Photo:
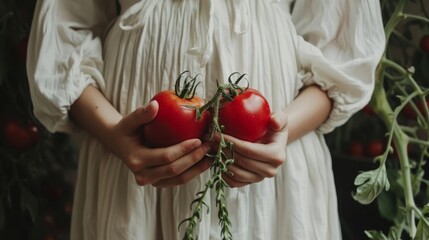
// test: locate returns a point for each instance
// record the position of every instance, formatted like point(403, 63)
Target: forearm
point(307, 112)
point(94, 113)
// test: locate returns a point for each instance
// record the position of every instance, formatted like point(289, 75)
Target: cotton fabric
point(281, 45)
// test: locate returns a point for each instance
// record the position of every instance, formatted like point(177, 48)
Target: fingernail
point(196, 144)
point(147, 107)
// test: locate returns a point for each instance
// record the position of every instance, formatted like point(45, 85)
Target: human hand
point(161, 167)
point(254, 162)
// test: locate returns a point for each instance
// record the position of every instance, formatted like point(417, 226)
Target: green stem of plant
point(381, 106)
point(189, 233)
point(415, 17)
point(396, 17)
point(218, 168)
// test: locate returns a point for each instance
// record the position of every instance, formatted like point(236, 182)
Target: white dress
point(280, 44)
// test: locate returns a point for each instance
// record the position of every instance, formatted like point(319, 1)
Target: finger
point(186, 176)
point(278, 121)
point(268, 153)
point(243, 175)
point(162, 156)
point(174, 168)
point(258, 168)
point(233, 183)
point(139, 117)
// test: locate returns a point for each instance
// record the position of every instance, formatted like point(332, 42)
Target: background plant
point(400, 120)
point(36, 188)
point(36, 166)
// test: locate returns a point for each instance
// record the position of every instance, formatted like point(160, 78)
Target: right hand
point(160, 167)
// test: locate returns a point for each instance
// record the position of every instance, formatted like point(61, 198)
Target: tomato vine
point(399, 88)
point(223, 157)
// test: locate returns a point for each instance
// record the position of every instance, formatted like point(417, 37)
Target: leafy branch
point(395, 83)
point(222, 160)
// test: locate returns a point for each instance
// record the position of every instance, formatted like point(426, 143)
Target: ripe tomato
point(368, 110)
point(245, 117)
point(421, 105)
point(175, 121)
point(20, 136)
point(424, 44)
point(410, 113)
point(375, 148)
point(356, 149)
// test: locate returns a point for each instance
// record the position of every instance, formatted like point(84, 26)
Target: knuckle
point(279, 160)
point(134, 164)
point(173, 170)
point(141, 181)
point(270, 172)
point(197, 154)
point(238, 161)
point(169, 157)
point(258, 179)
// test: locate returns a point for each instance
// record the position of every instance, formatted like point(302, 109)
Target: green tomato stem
point(383, 109)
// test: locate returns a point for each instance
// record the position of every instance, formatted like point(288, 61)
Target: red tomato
point(375, 148)
point(356, 149)
point(421, 105)
point(409, 112)
point(20, 136)
point(175, 121)
point(368, 110)
point(246, 117)
point(424, 44)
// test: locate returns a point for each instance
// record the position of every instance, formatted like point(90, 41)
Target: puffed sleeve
point(340, 43)
point(65, 56)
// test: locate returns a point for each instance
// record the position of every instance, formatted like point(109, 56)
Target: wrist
point(94, 113)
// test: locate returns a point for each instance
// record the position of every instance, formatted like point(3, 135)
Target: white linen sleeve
point(340, 43)
point(64, 56)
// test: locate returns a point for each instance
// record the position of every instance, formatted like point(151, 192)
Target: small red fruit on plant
point(20, 136)
point(409, 112)
point(176, 120)
point(375, 148)
point(246, 117)
point(368, 110)
point(424, 44)
point(356, 149)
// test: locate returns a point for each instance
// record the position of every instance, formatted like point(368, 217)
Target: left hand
point(254, 162)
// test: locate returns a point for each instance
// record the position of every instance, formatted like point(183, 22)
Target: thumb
point(139, 117)
point(278, 121)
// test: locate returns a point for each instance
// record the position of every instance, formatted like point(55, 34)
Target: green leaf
point(423, 225)
point(371, 184)
point(386, 203)
point(28, 202)
point(394, 233)
point(417, 180)
point(372, 234)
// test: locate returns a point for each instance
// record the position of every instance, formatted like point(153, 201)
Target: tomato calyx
point(225, 92)
point(176, 119)
point(188, 88)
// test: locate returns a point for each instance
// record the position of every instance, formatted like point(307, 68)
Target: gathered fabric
point(281, 45)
